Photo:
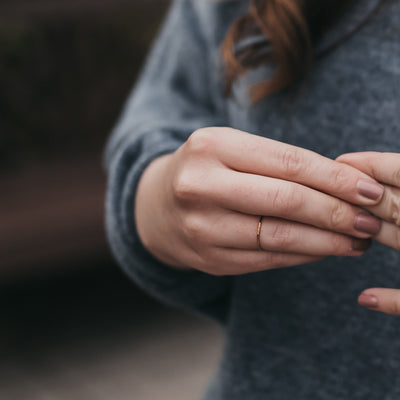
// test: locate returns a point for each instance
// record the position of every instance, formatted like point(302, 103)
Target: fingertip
point(367, 300)
point(370, 190)
point(343, 157)
point(357, 155)
point(388, 300)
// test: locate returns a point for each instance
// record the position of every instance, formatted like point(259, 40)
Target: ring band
point(259, 233)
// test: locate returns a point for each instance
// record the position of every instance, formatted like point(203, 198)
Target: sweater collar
point(358, 12)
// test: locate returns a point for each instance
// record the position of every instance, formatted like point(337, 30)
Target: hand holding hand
point(200, 206)
point(385, 168)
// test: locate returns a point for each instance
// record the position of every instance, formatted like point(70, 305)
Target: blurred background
point(72, 325)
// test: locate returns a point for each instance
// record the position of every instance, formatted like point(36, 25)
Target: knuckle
point(183, 186)
point(292, 162)
point(286, 200)
point(200, 142)
point(337, 215)
point(192, 228)
point(282, 235)
point(339, 177)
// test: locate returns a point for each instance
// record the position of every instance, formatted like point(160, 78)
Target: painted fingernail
point(369, 189)
point(361, 244)
point(367, 223)
point(366, 300)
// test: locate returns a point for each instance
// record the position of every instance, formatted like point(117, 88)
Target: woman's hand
point(380, 299)
point(384, 167)
point(199, 207)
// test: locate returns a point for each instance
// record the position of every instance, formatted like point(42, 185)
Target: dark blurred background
point(72, 326)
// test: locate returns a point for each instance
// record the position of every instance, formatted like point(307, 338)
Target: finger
point(383, 300)
point(258, 195)
point(257, 155)
point(384, 167)
point(389, 235)
point(239, 231)
point(389, 207)
point(238, 262)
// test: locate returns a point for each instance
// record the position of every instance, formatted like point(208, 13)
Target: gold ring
point(259, 233)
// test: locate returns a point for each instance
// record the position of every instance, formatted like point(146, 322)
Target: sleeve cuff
point(187, 289)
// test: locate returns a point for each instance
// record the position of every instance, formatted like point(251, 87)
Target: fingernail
point(367, 223)
point(361, 244)
point(366, 300)
point(369, 189)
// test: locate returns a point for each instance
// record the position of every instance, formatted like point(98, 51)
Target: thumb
point(383, 300)
point(363, 161)
point(383, 167)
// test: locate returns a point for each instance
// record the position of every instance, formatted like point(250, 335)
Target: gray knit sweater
point(294, 333)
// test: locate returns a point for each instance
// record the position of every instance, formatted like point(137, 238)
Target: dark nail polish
point(369, 189)
point(367, 223)
point(361, 244)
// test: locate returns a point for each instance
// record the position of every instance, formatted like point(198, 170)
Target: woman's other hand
point(380, 299)
point(384, 167)
point(199, 207)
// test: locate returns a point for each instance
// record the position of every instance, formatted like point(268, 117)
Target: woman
point(221, 171)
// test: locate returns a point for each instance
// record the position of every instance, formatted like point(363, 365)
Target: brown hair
point(292, 28)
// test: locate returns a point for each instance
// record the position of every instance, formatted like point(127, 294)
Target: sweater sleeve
point(172, 99)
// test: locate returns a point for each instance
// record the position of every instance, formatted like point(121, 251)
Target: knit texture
point(294, 333)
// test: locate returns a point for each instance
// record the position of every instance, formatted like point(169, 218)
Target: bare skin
point(199, 207)
point(385, 168)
